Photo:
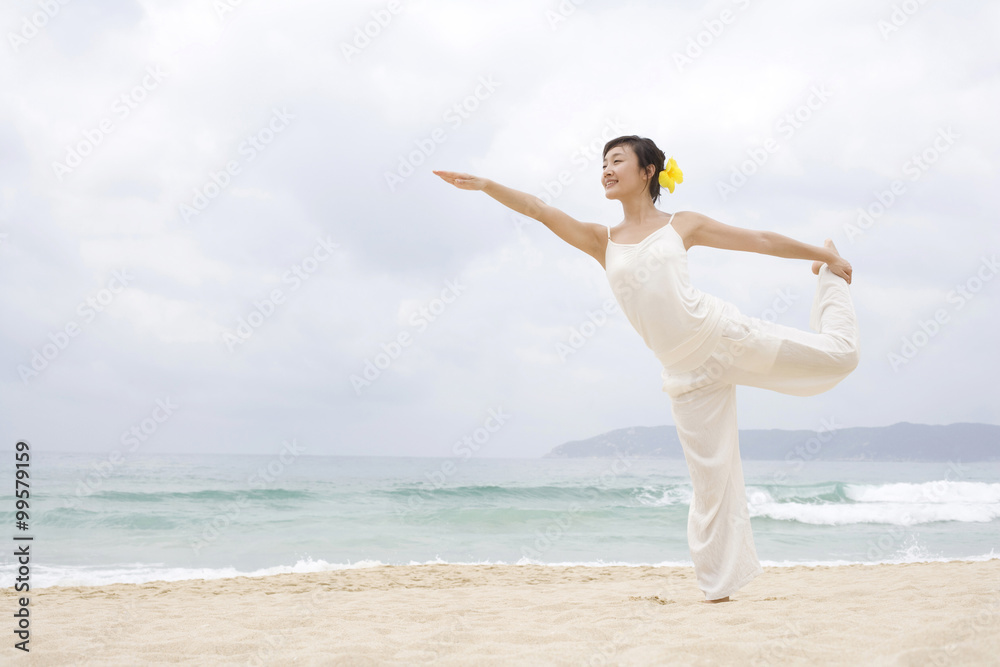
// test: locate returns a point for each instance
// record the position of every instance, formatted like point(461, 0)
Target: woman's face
point(621, 177)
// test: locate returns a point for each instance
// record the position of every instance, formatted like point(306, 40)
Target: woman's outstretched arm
point(583, 235)
point(714, 234)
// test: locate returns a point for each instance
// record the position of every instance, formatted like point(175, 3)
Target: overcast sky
point(213, 221)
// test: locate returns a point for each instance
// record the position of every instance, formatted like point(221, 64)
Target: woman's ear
point(650, 172)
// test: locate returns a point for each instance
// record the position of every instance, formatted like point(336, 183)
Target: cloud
point(792, 118)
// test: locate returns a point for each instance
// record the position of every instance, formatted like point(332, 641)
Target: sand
point(910, 614)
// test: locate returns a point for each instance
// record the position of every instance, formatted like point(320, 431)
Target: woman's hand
point(462, 180)
point(842, 268)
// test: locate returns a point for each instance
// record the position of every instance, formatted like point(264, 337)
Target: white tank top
point(650, 281)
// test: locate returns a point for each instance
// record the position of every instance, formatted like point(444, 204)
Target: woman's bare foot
point(817, 264)
point(725, 599)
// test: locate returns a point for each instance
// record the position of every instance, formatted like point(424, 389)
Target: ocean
point(97, 519)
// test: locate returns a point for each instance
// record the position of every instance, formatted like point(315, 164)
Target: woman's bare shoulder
point(686, 219)
point(685, 223)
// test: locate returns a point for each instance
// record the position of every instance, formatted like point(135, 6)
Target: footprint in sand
point(653, 598)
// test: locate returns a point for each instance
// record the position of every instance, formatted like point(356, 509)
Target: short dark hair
point(648, 154)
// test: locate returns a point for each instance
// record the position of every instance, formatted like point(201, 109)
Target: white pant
point(755, 353)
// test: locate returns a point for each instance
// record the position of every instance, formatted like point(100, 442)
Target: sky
point(219, 229)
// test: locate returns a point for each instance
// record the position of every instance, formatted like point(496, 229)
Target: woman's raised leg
point(790, 360)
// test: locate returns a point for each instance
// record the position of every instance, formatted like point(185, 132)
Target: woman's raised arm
point(714, 234)
point(587, 236)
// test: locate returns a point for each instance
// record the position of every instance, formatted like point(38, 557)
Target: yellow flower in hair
point(670, 175)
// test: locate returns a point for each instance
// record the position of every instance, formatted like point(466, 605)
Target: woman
point(705, 344)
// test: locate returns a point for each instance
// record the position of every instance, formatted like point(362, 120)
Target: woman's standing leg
point(758, 353)
point(719, 534)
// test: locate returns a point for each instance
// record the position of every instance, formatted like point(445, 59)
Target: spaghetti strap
point(609, 231)
point(672, 217)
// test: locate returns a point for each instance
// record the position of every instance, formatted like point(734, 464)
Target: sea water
point(170, 517)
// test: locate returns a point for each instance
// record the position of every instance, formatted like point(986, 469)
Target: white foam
point(139, 573)
point(940, 491)
point(901, 514)
point(656, 497)
point(44, 577)
point(903, 504)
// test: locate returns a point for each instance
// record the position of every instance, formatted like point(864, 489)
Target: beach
point(928, 613)
point(365, 561)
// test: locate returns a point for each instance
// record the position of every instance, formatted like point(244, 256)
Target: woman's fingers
point(460, 179)
point(841, 267)
point(450, 176)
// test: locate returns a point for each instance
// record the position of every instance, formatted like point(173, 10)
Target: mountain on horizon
point(903, 441)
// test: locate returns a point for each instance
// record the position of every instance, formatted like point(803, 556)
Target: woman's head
point(634, 163)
